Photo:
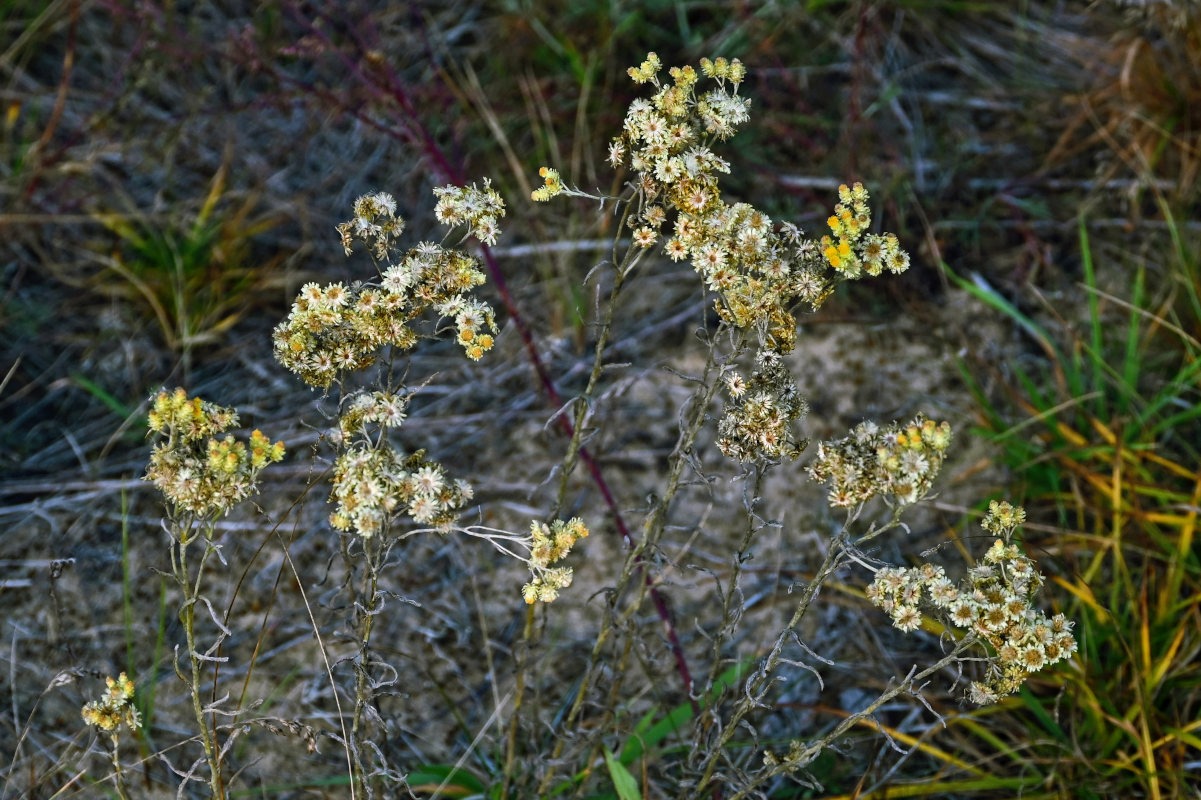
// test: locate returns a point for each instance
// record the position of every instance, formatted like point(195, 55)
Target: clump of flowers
point(994, 601)
point(114, 707)
point(197, 472)
point(361, 409)
point(479, 209)
point(856, 251)
point(758, 419)
point(549, 544)
point(757, 271)
point(375, 224)
point(334, 329)
point(372, 485)
point(552, 185)
point(897, 462)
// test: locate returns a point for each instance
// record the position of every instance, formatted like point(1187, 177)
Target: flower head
point(114, 707)
point(994, 601)
point(195, 470)
point(548, 544)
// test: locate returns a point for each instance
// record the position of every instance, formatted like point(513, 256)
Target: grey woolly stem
point(758, 681)
point(727, 623)
point(570, 459)
point(362, 695)
point(527, 640)
point(805, 756)
point(187, 616)
point(598, 364)
point(118, 775)
point(652, 530)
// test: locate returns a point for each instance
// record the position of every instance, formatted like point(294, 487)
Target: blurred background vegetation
point(171, 172)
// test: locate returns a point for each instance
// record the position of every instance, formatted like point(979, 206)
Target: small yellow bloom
point(832, 256)
point(737, 72)
point(552, 185)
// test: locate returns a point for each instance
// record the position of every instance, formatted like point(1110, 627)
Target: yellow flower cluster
point(994, 601)
point(114, 707)
point(856, 250)
point(549, 544)
point(647, 70)
point(175, 415)
point(372, 485)
point(332, 329)
point(897, 461)
point(194, 470)
point(721, 69)
point(552, 185)
point(1002, 518)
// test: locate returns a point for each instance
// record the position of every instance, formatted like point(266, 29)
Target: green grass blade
point(979, 288)
point(1035, 707)
point(623, 781)
point(652, 735)
point(1096, 325)
point(447, 780)
point(111, 403)
point(1131, 361)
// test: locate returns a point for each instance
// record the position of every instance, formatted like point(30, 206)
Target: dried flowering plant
point(335, 331)
point(113, 708)
point(759, 272)
point(354, 341)
point(897, 462)
point(202, 477)
point(548, 544)
point(108, 714)
point(993, 602)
